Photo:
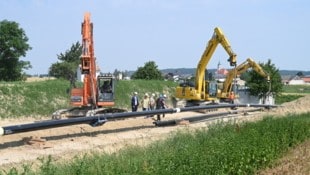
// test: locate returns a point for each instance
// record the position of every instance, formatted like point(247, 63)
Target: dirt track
point(66, 142)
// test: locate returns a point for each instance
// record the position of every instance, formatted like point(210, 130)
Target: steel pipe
point(101, 119)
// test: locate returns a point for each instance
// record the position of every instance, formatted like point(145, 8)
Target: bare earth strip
point(66, 142)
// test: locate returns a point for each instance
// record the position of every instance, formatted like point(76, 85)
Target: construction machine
point(97, 94)
point(227, 86)
point(203, 90)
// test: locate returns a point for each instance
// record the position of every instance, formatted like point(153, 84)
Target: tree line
point(14, 45)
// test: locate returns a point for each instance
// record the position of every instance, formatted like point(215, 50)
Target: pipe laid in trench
point(101, 119)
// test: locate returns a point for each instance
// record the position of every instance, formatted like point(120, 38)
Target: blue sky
point(173, 33)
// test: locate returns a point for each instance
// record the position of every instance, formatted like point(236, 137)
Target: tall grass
point(225, 148)
point(32, 98)
point(42, 98)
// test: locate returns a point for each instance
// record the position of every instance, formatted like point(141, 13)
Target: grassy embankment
point(42, 98)
point(225, 148)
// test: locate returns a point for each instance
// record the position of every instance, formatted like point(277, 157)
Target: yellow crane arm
point(249, 63)
point(217, 38)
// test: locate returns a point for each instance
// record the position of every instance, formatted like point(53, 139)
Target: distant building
point(222, 71)
point(296, 80)
point(306, 79)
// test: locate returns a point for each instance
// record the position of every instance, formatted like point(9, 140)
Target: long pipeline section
point(101, 119)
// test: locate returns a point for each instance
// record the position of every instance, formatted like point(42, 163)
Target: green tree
point(13, 45)
point(148, 72)
point(69, 62)
point(259, 86)
point(300, 74)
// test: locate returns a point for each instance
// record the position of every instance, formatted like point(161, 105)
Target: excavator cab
point(212, 89)
point(105, 87)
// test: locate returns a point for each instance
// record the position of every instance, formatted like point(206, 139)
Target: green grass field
point(298, 89)
point(225, 148)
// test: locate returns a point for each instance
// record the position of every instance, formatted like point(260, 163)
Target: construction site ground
point(67, 142)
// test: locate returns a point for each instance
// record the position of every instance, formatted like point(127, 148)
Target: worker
point(134, 102)
point(145, 102)
point(232, 97)
point(161, 104)
point(152, 102)
point(106, 87)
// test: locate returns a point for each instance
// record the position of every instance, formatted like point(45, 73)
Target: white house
point(296, 80)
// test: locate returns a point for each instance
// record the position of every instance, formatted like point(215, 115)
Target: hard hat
point(165, 95)
point(135, 93)
point(146, 94)
point(153, 95)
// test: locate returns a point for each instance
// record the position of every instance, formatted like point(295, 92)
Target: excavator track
point(83, 112)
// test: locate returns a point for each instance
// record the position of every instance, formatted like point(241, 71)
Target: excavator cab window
point(105, 89)
point(212, 89)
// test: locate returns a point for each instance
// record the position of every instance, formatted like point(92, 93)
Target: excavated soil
point(66, 142)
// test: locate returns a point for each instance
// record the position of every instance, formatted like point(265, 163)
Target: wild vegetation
point(33, 99)
point(223, 148)
point(42, 98)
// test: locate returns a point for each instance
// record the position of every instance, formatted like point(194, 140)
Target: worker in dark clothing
point(134, 102)
point(161, 104)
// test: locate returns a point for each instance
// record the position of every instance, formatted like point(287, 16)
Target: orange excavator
point(97, 94)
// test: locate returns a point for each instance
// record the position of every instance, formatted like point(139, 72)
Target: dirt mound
point(301, 105)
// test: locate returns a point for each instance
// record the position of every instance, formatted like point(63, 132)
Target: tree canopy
point(69, 62)
point(148, 72)
point(13, 45)
point(259, 86)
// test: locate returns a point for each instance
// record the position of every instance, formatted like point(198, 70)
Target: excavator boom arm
point(249, 63)
point(217, 38)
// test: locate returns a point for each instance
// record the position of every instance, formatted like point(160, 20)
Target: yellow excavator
point(203, 90)
point(223, 93)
